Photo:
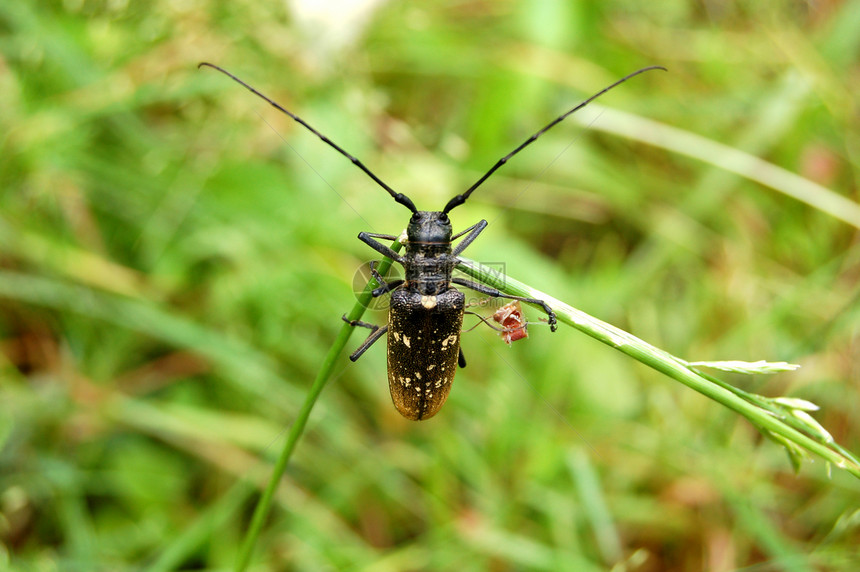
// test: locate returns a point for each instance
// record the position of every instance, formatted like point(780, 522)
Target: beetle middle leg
point(383, 285)
point(497, 294)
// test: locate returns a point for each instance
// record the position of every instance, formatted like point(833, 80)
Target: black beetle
point(426, 311)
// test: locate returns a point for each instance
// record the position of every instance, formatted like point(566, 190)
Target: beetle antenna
point(399, 197)
point(460, 199)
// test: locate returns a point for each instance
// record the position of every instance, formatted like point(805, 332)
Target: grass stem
point(264, 506)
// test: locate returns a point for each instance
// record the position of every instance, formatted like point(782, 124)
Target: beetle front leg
point(497, 294)
point(376, 333)
point(473, 231)
point(369, 239)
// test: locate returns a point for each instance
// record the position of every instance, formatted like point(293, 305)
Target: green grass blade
point(728, 158)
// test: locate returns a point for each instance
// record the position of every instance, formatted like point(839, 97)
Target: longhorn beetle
point(426, 311)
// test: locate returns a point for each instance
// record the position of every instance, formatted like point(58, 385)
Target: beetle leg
point(387, 287)
point(473, 231)
point(368, 239)
point(461, 359)
point(359, 323)
point(383, 285)
point(496, 294)
point(376, 333)
point(468, 230)
point(380, 235)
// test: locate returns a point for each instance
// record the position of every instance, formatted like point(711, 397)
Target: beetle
point(426, 311)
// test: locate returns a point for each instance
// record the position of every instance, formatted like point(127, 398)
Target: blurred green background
point(175, 257)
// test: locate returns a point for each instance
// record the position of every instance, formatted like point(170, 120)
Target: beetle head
point(429, 227)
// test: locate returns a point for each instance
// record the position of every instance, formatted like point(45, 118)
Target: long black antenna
point(399, 197)
point(460, 199)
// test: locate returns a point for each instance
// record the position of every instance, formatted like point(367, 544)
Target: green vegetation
point(175, 257)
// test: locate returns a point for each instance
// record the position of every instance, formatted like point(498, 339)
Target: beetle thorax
point(428, 252)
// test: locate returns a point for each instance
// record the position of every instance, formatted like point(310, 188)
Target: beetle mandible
point(426, 311)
